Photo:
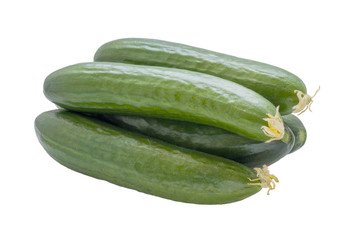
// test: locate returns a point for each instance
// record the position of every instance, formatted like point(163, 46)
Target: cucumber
point(298, 130)
point(275, 84)
point(206, 139)
point(102, 87)
point(103, 151)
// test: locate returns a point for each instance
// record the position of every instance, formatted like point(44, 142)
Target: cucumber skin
point(208, 139)
point(102, 87)
point(103, 151)
point(298, 130)
point(275, 84)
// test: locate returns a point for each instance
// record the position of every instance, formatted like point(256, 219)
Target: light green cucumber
point(275, 84)
point(103, 151)
point(102, 87)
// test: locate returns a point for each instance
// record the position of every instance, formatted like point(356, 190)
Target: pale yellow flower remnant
point(267, 180)
point(275, 128)
point(304, 102)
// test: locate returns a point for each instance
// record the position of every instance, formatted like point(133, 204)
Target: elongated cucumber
point(275, 84)
point(131, 160)
point(207, 139)
point(102, 87)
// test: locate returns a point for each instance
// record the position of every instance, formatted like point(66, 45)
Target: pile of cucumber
point(174, 121)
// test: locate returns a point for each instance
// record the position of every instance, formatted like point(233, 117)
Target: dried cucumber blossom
point(275, 128)
point(304, 102)
point(267, 180)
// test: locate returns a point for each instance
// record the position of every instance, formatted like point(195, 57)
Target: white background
point(320, 191)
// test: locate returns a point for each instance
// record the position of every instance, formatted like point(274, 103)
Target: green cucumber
point(206, 139)
point(104, 151)
point(102, 87)
point(275, 84)
point(298, 130)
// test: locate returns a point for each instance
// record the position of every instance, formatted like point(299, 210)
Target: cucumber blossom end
point(275, 128)
point(267, 180)
point(304, 102)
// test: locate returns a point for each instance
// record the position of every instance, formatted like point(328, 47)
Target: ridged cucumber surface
point(275, 84)
point(298, 130)
point(207, 139)
point(131, 160)
point(103, 87)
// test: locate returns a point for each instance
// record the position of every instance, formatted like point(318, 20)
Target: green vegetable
point(131, 160)
point(298, 130)
point(275, 84)
point(165, 93)
point(206, 139)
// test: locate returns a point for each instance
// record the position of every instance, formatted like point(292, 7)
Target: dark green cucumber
point(102, 87)
point(275, 84)
point(298, 130)
point(207, 139)
point(104, 151)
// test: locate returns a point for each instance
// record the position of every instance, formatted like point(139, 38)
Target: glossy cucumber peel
point(277, 85)
point(207, 139)
point(298, 130)
point(102, 87)
point(131, 160)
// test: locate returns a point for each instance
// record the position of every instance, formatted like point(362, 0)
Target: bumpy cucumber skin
point(159, 92)
point(106, 152)
point(206, 139)
point(298, 130)
point(275, 84)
